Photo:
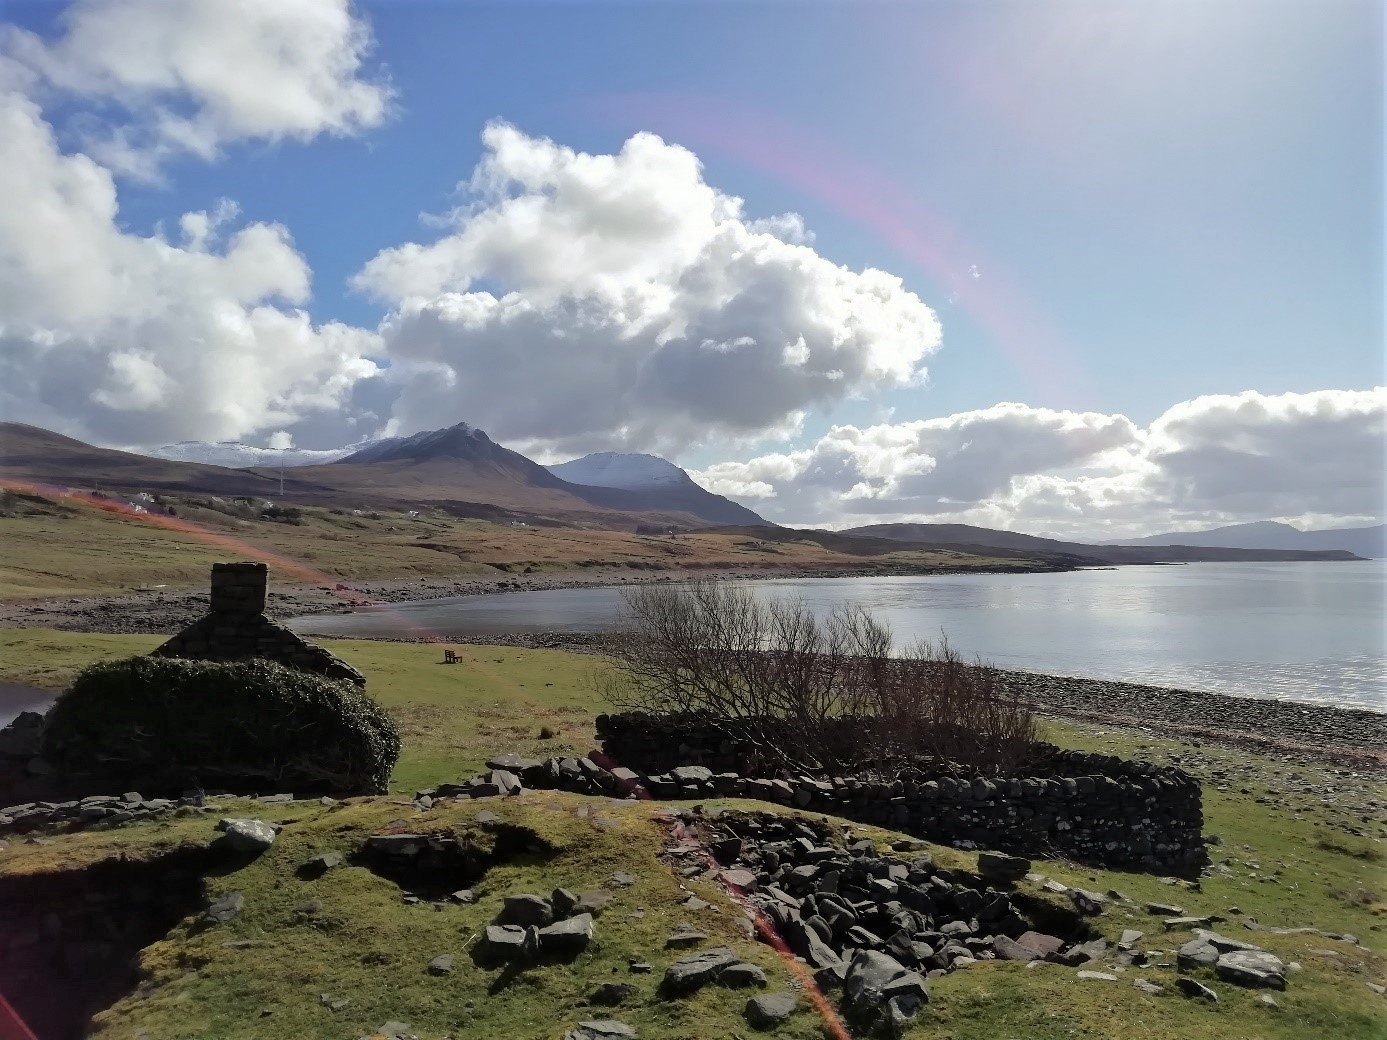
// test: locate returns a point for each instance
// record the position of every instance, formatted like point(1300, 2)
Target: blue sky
point(1110, 207)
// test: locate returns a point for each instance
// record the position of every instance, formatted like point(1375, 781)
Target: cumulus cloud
point(141, 339)
point(1312, 457)
point(594, 301)
point(928, 466)
point(191, 76)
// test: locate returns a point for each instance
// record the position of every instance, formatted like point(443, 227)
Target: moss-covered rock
point(163, 723)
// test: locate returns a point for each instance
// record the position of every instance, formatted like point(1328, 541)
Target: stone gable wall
point(235, 628)
point(1092, 808)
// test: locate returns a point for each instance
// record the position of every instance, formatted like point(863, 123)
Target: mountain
point(654, 481)
point(39, 456)
point(985, 540)
point(1269, 534)
point(440, 461)
point(235, 455)
point(615, 469)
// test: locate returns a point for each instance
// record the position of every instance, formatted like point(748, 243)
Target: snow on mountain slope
point(236, 455)
point(614, 469)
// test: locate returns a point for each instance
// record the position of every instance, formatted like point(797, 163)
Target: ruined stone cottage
point(235, 627)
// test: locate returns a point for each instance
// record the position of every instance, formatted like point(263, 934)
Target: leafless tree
point(816, 692)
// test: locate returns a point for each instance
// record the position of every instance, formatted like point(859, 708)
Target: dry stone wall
point(1092, 808)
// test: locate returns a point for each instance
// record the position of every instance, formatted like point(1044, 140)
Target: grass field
point(60, 549)
point(1283, 865)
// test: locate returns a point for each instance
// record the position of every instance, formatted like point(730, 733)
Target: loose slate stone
point(442, 965)
point(685, 940)
point(996, 867)
point(1098, 975)
point(739, 878)
point(224, 909)
point(770, 1009)
point(1043, 945)
point(247, 835)
point(321, 863)
point(1088, 903)
point(1196, 953)
point(869, 973)
point(568, 937)
point(501, 943)
point(601, 1029)
point(1148, 987)
point(692, 973)
point(526, 909)
point(1256, 968)
point(1193, 989)
point(1165, 910)
point(741, 975)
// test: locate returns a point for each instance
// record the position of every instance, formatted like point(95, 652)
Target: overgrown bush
point(160, 723)
point(789, 678)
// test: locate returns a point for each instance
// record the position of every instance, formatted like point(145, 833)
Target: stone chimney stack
point(239, 588)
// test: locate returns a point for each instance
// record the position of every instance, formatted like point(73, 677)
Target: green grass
point(1289, 864)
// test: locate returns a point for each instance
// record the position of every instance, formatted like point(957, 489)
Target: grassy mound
point(162, 723)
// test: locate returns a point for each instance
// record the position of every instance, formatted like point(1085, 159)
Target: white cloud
point(1312, 457)
point(192, 76)
point(619, 300)
point(928, 466)
point(137, 339)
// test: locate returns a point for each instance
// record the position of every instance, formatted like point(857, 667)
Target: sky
point(1077, 268)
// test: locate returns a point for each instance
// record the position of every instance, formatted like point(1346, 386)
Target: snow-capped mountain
point(236, 455)
point(615, 469)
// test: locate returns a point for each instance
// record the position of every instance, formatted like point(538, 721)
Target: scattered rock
point(1191, 988)
point(500, 944)
point(224, 909)
point(441, 965)
point(1098, 975)
point(692, 973)
point(685, 940)
point(770, 1009)
point(526, 910)
point(566, 938)
point(247, 835)
point(1148, 987)
point(1256, 968)
point(321, 863)
point(601, 1029)
point(997, 868)
point(741, 975)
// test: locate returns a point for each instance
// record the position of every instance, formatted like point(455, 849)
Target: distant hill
point(656, 483)
point(459, 468)
point(236, 455)
point(1270, 534)
point(616, 469)
point(981, 540)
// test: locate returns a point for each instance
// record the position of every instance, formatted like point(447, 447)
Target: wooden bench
point(450, 657)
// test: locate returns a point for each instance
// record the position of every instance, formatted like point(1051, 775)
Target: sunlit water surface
point(1304, 631)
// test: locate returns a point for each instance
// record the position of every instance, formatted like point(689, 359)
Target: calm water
point(1305, 631)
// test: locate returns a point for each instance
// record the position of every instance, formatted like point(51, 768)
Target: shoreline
point(1288, 729)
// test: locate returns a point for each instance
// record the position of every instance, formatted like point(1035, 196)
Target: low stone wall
point(1095, 809)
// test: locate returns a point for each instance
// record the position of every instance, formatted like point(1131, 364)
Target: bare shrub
point(812, 692)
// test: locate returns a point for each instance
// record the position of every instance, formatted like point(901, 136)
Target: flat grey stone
point(1256, 968)
point(869, 973)
point(610, 994)
point(245, 835)
point(501, 943)
point(441, 965)
point(741, 975)
point(322, 862)
point(1148, 987)
point(601, 1029)
point(685, 940)
point(224, 909)
point(691, 973)
point(768, 1010)
point(1098, 975)
point(567, 937)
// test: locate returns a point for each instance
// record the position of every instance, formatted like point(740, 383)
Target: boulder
point(692, 973)
point(869, 973)
point(1195, 990)
point(247, 835)
point(442, 965)
point(997, 868)
point(770, 1009)
point(526, 910)
point(500, 944)
point(741, 975)
point(1043, 945)
point(1256, 968)
point(223, 909)
point(566, 938)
